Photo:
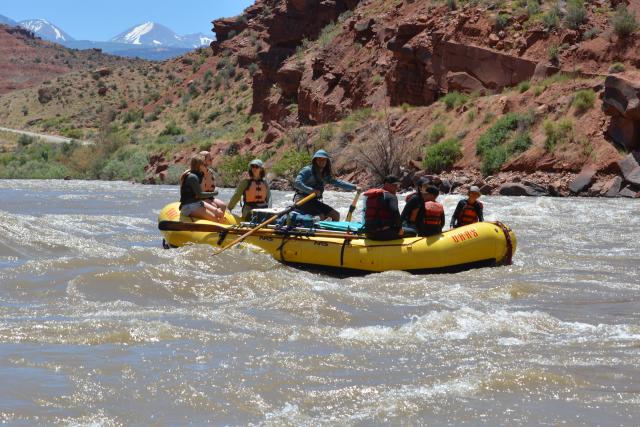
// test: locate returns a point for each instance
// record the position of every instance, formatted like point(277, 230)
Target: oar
point(353, 206)
point(267, 222)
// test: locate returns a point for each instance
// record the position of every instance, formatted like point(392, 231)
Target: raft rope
point(507, 235)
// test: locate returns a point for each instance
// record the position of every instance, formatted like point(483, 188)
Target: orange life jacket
point(433, 212)
point(256, 192)
point(376, 211)
point(208, 182)
point(469, 214)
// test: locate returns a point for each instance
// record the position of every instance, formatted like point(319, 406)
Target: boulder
point(612, 187)
point(621, 100)
point(630, 169)
point(582, 181)
point(463, 82)
point(515, 189)
point(628, 192)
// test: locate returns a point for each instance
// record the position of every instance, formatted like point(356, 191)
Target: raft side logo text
point(467, 235)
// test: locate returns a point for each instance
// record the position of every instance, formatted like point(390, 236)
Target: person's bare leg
point(203, 213)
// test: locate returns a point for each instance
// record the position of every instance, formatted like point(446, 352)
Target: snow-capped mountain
point(153, 34)
point(7, 21)
point(46, 30)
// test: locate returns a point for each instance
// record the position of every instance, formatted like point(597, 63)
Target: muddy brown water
point(100, 326)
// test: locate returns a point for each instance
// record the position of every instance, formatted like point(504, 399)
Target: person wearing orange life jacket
point(381, 214)
point(253, 189)
point(208, 182)
point(432, 219)
point(468, 211)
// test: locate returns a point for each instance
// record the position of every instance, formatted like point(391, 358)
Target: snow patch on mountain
point(46, 30)
point(154, 34)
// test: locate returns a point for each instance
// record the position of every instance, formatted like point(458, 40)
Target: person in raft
point(253, 189)
point(414, 208)
point(468, 211)
point(191, 195)
point(312, 179)
point(381, 214)
point(209, 182)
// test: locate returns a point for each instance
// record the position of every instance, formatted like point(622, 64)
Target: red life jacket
point(376, 211)
point(469, 214)
point(433, 212)
point(256, 192)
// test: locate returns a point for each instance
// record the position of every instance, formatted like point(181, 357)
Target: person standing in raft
point(312, 179)
point(191, 195)
point(381, 214)
point(468, 211)
point(253, 189)
point(209, 183)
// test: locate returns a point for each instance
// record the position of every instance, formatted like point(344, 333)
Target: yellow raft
point(478, 245)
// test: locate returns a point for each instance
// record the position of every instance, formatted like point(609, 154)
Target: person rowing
point(312, 179)
point(254, 190)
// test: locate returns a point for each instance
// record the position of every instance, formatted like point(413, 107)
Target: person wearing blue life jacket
point(312, 179)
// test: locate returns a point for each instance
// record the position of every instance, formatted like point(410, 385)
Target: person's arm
point(408, 207)
point(192, 181)
point(456, 213)
point(242, 186)
point(268, 199)
point(345, 185)
point(300, 182)
point(480, 212)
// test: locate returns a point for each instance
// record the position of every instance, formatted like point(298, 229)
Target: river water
point(100, 326)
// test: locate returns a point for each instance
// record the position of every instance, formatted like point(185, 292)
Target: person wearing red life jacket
point(432, 219)
point(468, 211)
point(381, 214)
point(253, 189)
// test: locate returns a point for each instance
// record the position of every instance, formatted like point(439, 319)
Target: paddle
point(267, 222)
point(353, 206)
point(215, 228)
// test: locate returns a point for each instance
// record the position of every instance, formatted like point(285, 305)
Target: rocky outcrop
point(517, 189)
point(621, 101)
point(630, 168)
point(583, 181)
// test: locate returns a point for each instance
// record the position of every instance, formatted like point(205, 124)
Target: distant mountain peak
point(46, 30)
point(154, 34)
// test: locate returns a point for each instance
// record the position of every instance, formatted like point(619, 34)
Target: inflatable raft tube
point(478, 245)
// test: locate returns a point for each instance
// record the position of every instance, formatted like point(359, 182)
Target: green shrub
point(127, 163)
point(557, 133)
point(551, 19)
point(291, 163)
point(533, 7)
point(232, 167)
point(24, 140)
point(553, 53)
point(454, 99)
point(583, 100)
point(576, 14)
point(501, 21)
point(524, 86)
point(616, 67)
point(472, 114)
point(194, 116)
point(492, 146)
point(624, 22)
point(172, 129)
point(591, 33)
point(132, 116)
point(437, 132)
point(442, 155)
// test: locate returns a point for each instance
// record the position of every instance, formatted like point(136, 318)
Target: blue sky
point(101, 20)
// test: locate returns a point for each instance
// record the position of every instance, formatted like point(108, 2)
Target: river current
point(101, 326)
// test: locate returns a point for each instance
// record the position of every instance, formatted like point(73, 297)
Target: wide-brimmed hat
point(474, 189)
point(256, 162)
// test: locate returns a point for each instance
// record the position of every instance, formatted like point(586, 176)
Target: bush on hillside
point(232, 167)
point(557, 133)
point(442, 155)
point(576, 14)
point(583, 100)
point(290, 163)
point(454, 99)
point(437, 132)
point(172, 129)
point(624, 22)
